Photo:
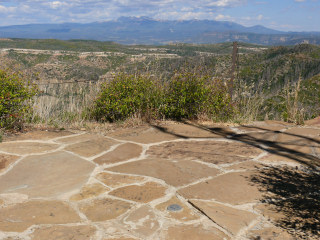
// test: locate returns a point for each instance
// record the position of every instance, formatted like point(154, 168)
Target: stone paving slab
point(193, 131)
point(231, 219)
point(195, 232)
point(46, 175)
point(247, 165)
point(39, 135)
point(122, 153)
point(142, 221)
point(273, 233)
point(104, 209)
point(91, 147)
point(143, 194)
point(142, 135)
point(25, 148)
point(83, 232)
point(89, 191)
point(165, 182)
point(175, 173)
point(233, 188)
point(19, 217)
point(6, 161)
point(175, 208)
point(208, 151)
point(118, 180)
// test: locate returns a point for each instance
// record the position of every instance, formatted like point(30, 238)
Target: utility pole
point(233, 68)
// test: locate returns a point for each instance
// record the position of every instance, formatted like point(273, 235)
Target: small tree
point(15, 99)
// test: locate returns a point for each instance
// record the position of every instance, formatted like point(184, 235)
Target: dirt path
point(178, 181)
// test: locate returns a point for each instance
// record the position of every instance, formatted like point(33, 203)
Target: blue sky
point(287, 15)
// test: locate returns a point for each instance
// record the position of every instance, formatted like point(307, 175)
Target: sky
point(285, 15)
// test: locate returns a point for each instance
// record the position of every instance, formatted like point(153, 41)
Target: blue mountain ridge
point(145, 30)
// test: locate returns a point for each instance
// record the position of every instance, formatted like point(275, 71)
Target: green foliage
point(15, 96)
point(68, 58)
point(185, 95)
point(189, 96)
point(125, 96)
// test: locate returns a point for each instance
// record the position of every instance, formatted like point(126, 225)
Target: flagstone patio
point(172, 182)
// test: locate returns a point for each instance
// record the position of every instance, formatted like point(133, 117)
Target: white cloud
point(224, 3)
point(4, 9)
point(57, 4)
point(260, 17)
point(221, 17)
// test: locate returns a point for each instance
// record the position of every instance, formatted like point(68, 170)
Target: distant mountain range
point(143, 30)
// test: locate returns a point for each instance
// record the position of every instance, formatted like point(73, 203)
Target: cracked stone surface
point(24, 148)
point(173, 181)
point(46, 175)
point(89, 191)
point(39, 135)
point(247, 165)
point(6, 160)
point(184, 214)
point(118, 180)
point(122, 153)
point(90, 147)
point(273, 233)
point(233, 188)
point(231, 219)
point(64, 233)
point(19, 217)
point(104, 209)
point(208, 151)
point(189, 131)
point(173, 173)
point(143, 135)
point(142, 221)
point(144, 193)
point(122, 238)
point(194, 232)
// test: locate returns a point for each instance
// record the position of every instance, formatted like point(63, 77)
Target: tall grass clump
point(15, 99)
point(61, 104)
point(126, 96)
point(249, 100)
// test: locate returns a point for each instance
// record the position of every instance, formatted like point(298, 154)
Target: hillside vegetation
point(76, 80)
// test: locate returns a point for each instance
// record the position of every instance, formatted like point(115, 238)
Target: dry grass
point(61, 104)
point(295, 112)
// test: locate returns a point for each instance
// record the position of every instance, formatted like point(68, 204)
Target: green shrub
point(190, 96)
point(125, 96)
point(219, 104)
point(184, 96)
point(15, 96)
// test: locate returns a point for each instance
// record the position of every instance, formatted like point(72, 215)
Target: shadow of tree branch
point(277, 148)
point(295, 194)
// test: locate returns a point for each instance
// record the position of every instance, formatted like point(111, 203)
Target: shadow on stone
point(291, 196)
point(295, 196)
point(283, 149)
